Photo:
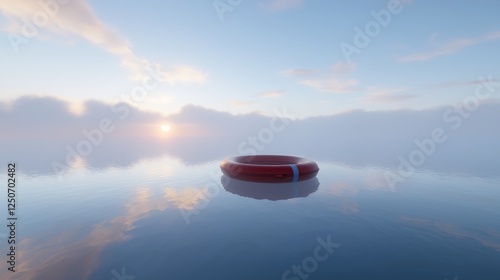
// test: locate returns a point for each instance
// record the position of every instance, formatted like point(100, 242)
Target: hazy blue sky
point(243, 56)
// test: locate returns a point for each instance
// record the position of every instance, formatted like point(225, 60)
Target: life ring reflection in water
point(270, 191)
point(269, 168)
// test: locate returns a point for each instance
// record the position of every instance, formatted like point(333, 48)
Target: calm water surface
point(161, 219)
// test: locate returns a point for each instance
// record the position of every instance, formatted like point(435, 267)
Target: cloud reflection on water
point(69, 255)
point(487, 237)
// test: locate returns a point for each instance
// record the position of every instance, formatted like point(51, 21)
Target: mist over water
point(466, 145)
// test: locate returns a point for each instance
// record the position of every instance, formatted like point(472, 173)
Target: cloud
point(77, 18)
point(332, 85)
point(356, 138)
point(388, 95)
point(37, 131)
point(450, 47)
point(185, 74)
point(273, 94)
point(42, 129)
point(338, 82)
point(280, 5)
point(344, 68)
point(488, 82)
point(241, 103)
point(334, 82)
point(298, 72)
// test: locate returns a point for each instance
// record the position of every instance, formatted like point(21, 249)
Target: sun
point(165, 128)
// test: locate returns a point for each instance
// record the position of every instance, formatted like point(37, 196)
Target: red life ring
point(269, 168)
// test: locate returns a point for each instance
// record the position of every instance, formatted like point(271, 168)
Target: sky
point(313, 57)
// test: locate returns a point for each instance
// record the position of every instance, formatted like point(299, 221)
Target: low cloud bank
point(37, 131)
